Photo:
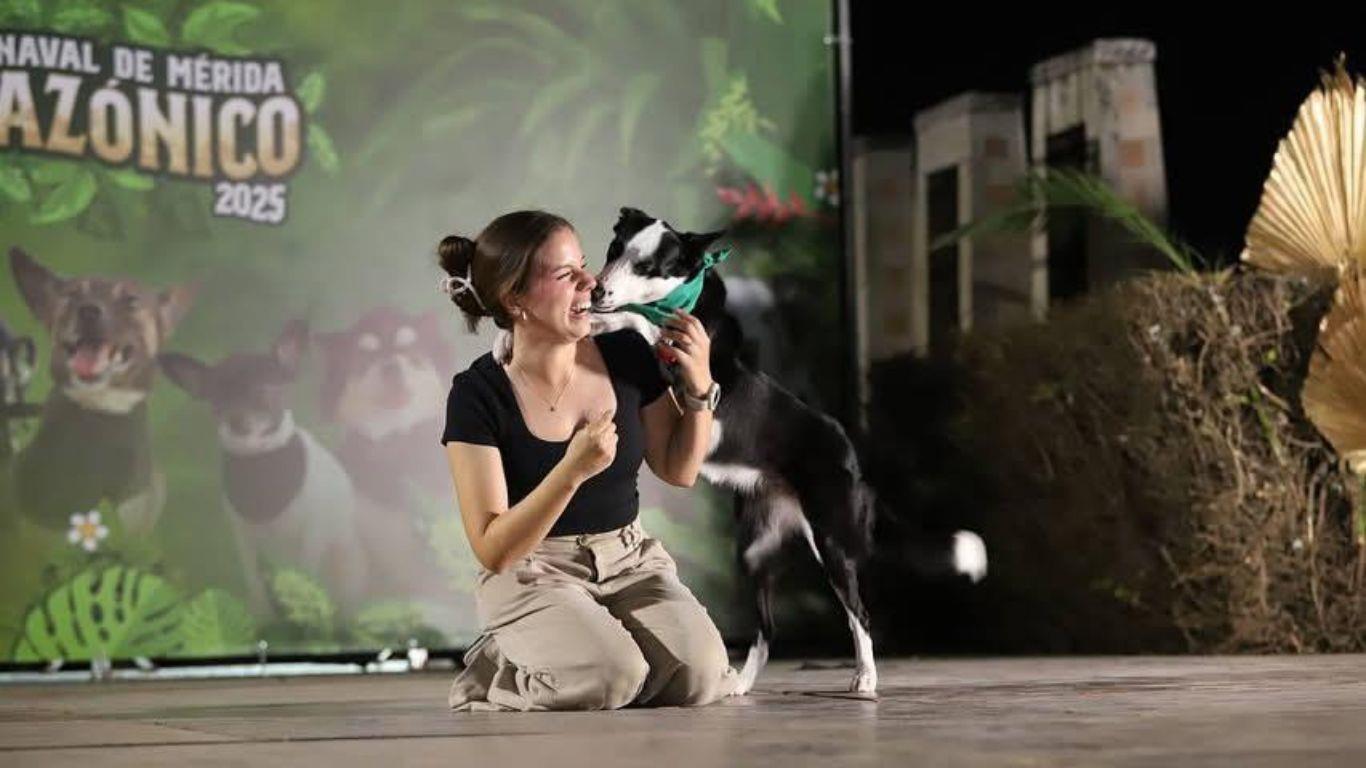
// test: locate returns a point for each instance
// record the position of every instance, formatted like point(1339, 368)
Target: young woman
point(580, 608)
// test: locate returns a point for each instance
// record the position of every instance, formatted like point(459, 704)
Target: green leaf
point(551, 97)
point(770, 164)
point(303, 602)
point(583, 133)
point(311, 91)
point(115, 611)
point(1047, 189)
point(14, 185)
point(130, 179)
point(216, 623)
point(542, 31)
point(715, 51)
point(24, 11)
point(79, 19)
point(452, 123)
point(514, 49)
point(214, 26)
point(67, 200)
point(633, 103)
point(391, 623)
point(767, 8)
point(45, 172)
point(144, 27)
point(321, 148)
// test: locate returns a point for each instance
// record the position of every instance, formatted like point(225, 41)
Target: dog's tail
point(931, 554)
point(961, 553)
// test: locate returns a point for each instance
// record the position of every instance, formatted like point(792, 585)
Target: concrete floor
point(1299, 711)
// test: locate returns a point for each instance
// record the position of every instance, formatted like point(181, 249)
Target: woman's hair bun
point(455, 253)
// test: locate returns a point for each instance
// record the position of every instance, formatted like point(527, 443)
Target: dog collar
point(252, 446)
point(683, 297)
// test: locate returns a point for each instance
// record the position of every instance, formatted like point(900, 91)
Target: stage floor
point(1167, 711)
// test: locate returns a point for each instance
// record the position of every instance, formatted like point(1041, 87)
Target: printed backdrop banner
point(223, 354)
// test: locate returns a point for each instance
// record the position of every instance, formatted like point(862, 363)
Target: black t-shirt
point(482, 409)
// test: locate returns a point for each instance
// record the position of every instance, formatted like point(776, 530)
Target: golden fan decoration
point(1312, 217)
point(1334, 394)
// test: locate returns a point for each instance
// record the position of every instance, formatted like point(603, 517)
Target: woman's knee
point(702, 676)
point(610, 681)
point(624, 677)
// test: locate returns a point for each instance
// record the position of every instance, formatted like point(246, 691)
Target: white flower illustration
point(86, 530)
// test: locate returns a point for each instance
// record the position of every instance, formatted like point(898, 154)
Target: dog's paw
point(864, 682)
point(754, 664)
point(742, 686)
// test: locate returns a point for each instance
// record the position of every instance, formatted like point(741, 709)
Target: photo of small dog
point(288, 499)
point(794, 469)
point(383, 381)
point(92, 442)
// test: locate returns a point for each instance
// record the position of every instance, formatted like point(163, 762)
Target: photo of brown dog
point(92, 443)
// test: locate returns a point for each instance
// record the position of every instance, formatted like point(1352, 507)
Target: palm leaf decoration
point(1046, 189)
point(1312, 217)
point(1334, 392)
point(115, 612)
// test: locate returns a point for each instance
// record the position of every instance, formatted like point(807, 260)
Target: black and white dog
point(794, 470)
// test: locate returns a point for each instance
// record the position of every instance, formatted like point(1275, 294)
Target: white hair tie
point(454, 285)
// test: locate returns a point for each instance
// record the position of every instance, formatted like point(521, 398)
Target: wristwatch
point(707, 402)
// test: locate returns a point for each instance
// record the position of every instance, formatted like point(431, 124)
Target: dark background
point(1227, 88)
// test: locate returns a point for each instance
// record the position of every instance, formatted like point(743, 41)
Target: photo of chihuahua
point(384, 382)
point(288, 499)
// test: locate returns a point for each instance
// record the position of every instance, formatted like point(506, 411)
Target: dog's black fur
point(794, 469)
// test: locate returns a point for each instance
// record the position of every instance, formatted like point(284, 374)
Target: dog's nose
point(88, 313)
point(598, 294)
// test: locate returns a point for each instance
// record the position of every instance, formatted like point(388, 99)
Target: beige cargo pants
point(596, 621)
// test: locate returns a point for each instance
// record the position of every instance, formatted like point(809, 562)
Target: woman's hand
point(684, 341)
point(593, 448)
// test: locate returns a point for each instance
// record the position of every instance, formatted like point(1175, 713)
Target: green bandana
point(683, 297)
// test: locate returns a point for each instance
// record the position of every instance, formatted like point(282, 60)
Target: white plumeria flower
point(87, 530)
point(828, 187)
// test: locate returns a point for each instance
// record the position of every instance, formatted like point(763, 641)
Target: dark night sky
point(1226, 95)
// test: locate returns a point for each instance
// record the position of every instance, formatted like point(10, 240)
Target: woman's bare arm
point(500, 536)
point(676, 440)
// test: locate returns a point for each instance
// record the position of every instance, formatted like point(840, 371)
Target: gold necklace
point(563, 389)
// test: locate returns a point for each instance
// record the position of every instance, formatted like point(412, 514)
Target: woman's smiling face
point(560, 282)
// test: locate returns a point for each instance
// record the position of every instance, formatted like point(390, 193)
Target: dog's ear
point(188, 373)
point(695, 245)
point(172, 304)
point(701, 241)
point(37, 285)
point(632, 219)
point(290, 347)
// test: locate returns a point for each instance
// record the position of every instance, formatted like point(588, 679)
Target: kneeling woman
point(580, 608)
